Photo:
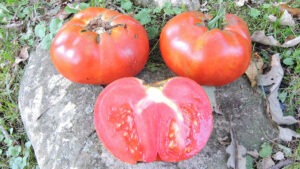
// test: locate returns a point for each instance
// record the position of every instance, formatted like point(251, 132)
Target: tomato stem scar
point(99, 26)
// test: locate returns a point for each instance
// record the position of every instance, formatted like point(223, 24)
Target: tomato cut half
point(169, 120)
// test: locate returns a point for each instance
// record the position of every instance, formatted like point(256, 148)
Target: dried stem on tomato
point(99, 26)
point(218, 20)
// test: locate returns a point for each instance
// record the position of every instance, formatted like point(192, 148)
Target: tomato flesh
point(138, 122)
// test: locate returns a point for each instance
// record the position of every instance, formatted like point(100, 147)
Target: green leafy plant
point(74, 8)
point(16, 31)
point(46, 33)
point(296, 159)
point(154, 18)
point(18, 154)
point(254, 13)
point(265, 150)
point(249, 162)
point(126, 5)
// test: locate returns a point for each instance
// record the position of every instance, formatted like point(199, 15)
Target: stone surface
point(58, 118)
point(189, 4)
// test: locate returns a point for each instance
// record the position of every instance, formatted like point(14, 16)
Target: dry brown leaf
point(260, 37)
point(292, 42)
point(210, 91)
point(276, 112)
point(237, 154)
point(272, 18)
point(254, 69)
point(267, 163)
point(253, 153)
point(23, 55)
point(62, 14)
point(240, 3)
point(293, 11)
point(287, 19)
point(287, 134)
point(278, 156)
point(273, 78)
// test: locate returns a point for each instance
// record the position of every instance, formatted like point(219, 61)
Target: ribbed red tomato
point(210, 57)
point(98, 46)
point(169, 121)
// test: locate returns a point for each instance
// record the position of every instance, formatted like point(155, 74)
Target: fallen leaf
point(287, 19)
point(267, 163)
point(293, 11)
point(260, 37)
point(284, 164)
point(278, 156)
point(210, 91)
point(272, 18)
point(62, 14)
point(240, 3)
point(254, 69)
point(237, 158)
point(253, 153)
point(276, 112)
point(292, 42)
point(287, 134)
point(287, 151)
point(273, 78)
point(23, 55)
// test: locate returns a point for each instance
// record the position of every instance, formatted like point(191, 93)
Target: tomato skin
point(138, 122)
point(87, 57)
point(210, 57)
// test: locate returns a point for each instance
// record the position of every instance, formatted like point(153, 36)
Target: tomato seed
point(195, 123)
point(171, 135)
point(172, 144)
point(125, 134)
point(118, 125)
point(187, 149)
point(132, 151)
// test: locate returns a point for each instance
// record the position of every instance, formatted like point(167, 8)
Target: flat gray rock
point(58, 118)
point(189, 4)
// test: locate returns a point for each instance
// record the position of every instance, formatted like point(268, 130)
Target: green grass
point(16, 151)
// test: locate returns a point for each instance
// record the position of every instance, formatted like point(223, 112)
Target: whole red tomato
point(210, 57)
point(98, 46)
point(169, 121)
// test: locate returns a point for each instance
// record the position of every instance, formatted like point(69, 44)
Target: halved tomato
point(169, 120)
